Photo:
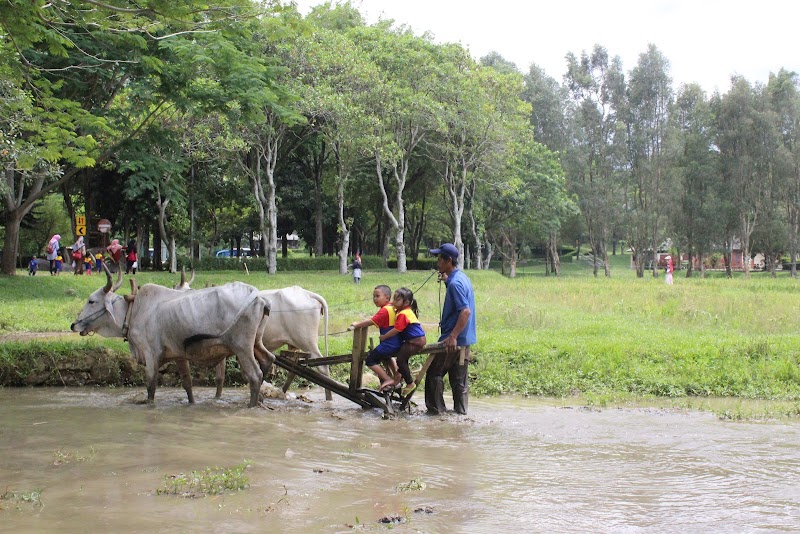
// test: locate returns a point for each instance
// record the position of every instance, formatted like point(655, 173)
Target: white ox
point(294, 321)
point(202, 326)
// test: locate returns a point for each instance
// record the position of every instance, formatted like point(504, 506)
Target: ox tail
point(324, 312)
point(261, 350)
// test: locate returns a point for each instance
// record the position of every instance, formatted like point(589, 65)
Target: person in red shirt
point(385, 321)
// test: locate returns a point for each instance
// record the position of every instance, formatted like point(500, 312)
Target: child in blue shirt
point(33, 266)
point(407, 328)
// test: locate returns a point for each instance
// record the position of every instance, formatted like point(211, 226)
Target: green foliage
point(210, 481)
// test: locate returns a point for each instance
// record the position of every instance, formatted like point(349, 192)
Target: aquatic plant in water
point(210, 481)
point(33, 498)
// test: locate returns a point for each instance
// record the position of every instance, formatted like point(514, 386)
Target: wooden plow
point(298, 363)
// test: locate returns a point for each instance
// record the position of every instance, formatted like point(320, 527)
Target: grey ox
point(203, 326)
point(294, 321)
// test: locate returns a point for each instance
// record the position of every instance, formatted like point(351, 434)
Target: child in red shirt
point(385, 321)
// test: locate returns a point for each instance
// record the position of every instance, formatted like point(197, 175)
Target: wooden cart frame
point(301, 364)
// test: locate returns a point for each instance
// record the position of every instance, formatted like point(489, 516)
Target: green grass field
point(603, 338)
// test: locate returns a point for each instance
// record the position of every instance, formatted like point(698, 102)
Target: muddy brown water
point(512, 465)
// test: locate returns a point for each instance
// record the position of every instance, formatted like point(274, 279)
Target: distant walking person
point(78, 252)
point(115, 252)
point(670, 269)
point(356, 266)
point(33, 266)
point(52, 251)
point(132, 262)
point(98, 262)
point(458, 327)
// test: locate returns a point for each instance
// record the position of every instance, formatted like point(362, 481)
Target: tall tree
point(482, 114)
point(784, 97)
point(648, 190)
point(596, 84)
point(697, 223)
point(402, 113)
point(271, 114)
point(72, 60)
point(743, 139)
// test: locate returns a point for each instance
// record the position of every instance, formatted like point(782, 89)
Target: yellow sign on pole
point(80, 229)
point(80, 220)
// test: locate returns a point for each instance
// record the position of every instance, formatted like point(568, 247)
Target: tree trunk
point(318, 212)
point(399, 222)
point(173, 258)
point(165, 236)
point(489, 253)
point(11, 241)
point(477, 238)
point(344, 231)
point(555, 260)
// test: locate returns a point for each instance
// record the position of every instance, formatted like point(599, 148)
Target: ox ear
point(108, 302)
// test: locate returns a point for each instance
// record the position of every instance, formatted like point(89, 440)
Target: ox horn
point(183, 276)
point(109, 287)
point(192, 278)
point(134, 290)
point(109, 280)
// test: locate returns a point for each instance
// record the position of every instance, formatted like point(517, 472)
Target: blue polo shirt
point(459, 295)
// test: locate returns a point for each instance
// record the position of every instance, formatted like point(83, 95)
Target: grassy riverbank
point(606, 339)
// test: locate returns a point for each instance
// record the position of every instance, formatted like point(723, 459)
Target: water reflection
point(529, 466)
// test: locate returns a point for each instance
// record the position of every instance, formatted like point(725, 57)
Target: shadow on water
point(512, 464)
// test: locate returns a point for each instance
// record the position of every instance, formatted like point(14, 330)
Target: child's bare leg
point(385, 379)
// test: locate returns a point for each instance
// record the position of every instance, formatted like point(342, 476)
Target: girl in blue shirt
point(407, 326)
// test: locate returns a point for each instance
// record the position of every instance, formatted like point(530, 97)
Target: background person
point(115, 252)
point(52, 251)
point(356, 266)
point(33, 266)
point(131, 261)
point(98, 262)
point(78, 252)
point(458, 327)
point(670, 270)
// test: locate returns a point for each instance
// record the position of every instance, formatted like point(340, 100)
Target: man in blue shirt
point(458, 332)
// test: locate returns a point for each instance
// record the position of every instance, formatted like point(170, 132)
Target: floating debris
point(392, 519)
point(415, 484)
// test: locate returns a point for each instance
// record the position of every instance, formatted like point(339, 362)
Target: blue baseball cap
point(448, 249)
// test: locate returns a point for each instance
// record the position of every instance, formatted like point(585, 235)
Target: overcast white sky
point(706, 41)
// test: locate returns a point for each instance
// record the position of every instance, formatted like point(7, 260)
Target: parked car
point(226, 252)
point(164, 254)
